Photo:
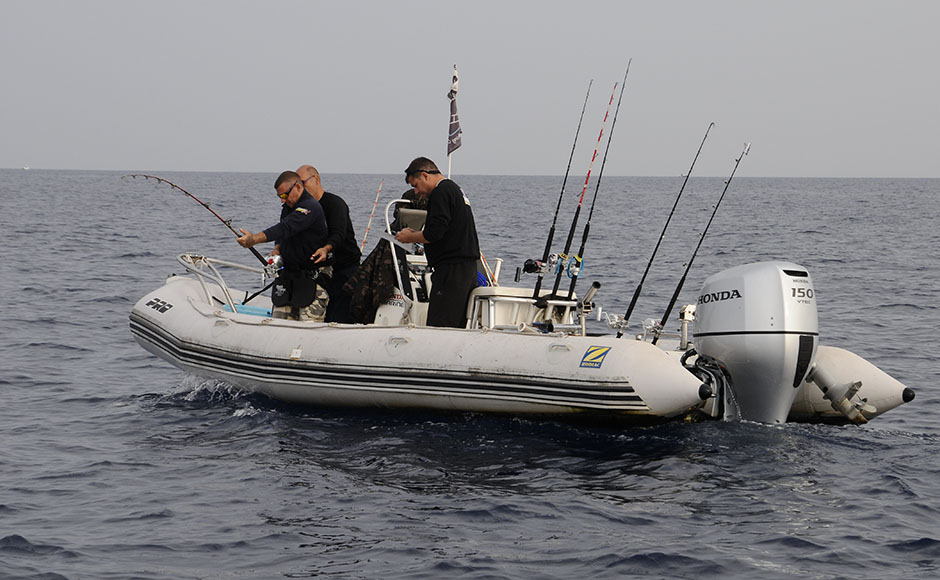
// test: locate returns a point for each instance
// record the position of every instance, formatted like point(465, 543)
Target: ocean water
point(115, 465)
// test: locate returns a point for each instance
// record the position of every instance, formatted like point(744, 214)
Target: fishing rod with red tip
point(551, 232)
point(579, 258)
point(675, 295)
point(574, 222)
point(227, 222)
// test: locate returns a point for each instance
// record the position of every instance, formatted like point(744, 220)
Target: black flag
point(454, 132)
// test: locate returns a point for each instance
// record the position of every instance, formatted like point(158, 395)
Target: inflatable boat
point(749, 349)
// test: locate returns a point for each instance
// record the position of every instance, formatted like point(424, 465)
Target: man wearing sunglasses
point(340, 243)
point(450, 243)
point(300, 232)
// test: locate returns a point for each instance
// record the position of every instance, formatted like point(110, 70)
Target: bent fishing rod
point(227, 222)
point(579, 258)
point(675, 295)
point(639, 288)
point(551, 232)
point(577, 212)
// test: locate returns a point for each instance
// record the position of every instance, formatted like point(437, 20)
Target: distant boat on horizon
point(26, 167)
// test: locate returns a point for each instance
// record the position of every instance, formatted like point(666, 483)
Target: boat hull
point(412, 367)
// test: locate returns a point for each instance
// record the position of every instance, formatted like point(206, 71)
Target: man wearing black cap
point(450, 243)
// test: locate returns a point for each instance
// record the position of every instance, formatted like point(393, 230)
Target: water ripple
point(116, 465)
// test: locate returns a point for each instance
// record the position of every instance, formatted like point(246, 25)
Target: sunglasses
point(287, 193)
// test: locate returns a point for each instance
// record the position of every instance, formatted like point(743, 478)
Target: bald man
point(340, 242)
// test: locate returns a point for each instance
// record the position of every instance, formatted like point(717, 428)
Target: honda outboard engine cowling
point(759, 322)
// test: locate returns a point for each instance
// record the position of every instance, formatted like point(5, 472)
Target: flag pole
point(453, 128)
point(453, 142)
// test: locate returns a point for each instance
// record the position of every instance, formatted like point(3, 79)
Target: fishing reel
point(557, 263)
point(651, 328)
point(275, 263)
point(573, 267)
point(614, 321)
point(533, 266)
point(539, 267)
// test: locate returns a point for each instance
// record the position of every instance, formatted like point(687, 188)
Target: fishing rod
point(639, 288)
point(579, 258)
point(675, 295)
point(551, 232)
point(371, 215)
point(574, 222)
point(227, 222)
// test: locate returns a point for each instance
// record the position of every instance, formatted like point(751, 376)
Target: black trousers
point(337, 310)
point(451, 285)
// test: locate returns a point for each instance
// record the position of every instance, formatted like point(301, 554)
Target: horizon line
point(126, 171)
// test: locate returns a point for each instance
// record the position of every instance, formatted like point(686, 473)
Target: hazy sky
point(821, 88)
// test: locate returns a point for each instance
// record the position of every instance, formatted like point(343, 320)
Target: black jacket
point(341, 236)
point(300, 233)
point(450, 230)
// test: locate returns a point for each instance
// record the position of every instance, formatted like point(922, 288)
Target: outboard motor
point(759, 323)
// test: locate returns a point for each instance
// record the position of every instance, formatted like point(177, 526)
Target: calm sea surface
point(113, 464)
